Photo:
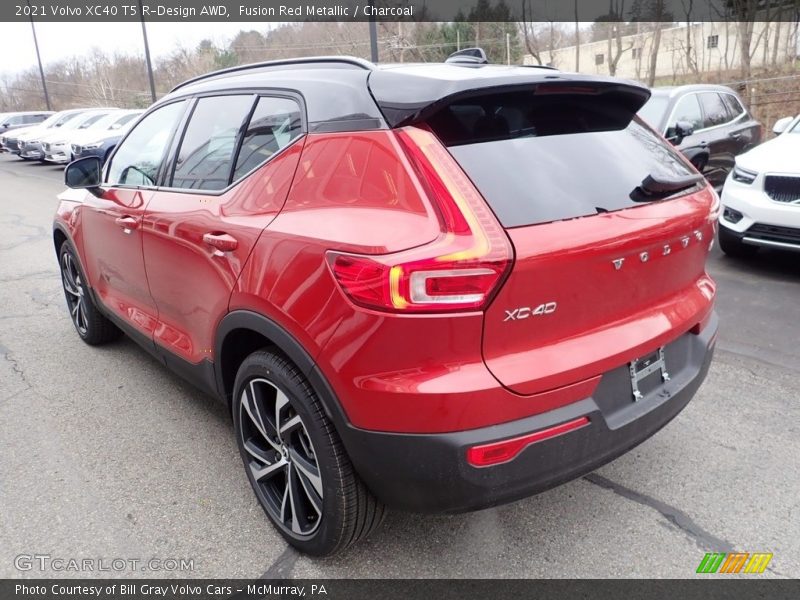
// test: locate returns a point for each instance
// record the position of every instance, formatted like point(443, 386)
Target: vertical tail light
point(461, 270)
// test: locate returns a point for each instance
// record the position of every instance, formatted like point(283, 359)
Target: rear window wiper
point(656, 186)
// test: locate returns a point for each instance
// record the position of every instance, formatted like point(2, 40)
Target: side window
point(206, 153)
point(735, 107)
point(275, 124)
point(140, 155)
point(687, 109)
point(716, 113)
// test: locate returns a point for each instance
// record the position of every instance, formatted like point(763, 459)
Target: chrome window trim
point(696, 93)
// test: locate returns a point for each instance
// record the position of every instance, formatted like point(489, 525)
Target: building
point(683, 50)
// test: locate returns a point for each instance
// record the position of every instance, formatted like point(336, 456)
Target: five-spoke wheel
point(74, 291)
point(295, 460)
point(282, 460)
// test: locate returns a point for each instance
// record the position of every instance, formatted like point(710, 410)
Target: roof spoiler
point(405, 99)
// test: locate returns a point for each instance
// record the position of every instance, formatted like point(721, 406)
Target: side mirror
point(781, 125)
point(681, 129)
point(84, 174)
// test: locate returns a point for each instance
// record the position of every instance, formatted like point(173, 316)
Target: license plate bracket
point(641, 368)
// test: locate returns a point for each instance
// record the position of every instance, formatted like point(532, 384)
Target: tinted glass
point(554, 157)
point(139, 157)
point(206, 153)
point(734, 107)
point(275, 124)
point(686, 109)
point(716, 113)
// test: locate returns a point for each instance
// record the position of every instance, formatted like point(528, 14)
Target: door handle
point(128, 224)
point(221, 241)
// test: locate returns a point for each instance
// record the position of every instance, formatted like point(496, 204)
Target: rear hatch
point(610, 226)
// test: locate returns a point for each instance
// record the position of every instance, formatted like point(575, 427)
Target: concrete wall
point(634, 62)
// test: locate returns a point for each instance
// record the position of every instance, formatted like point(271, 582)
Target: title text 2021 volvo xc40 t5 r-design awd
point(436, 288)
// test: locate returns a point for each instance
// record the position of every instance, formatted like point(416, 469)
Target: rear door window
point(276, 123)
point(206, 153)
point(714, 109)
point(556, 156)
point(735, 108)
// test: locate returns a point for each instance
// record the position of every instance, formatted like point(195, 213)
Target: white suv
point(761, 197)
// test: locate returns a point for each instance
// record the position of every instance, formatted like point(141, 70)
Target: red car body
point(522, 382)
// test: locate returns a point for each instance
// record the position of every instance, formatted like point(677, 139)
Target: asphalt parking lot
point(105, 454)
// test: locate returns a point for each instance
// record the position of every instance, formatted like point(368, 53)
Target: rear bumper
point(429, 472)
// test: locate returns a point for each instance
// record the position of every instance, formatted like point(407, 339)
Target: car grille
point(781, 188)
point(12, 145)
point(774, 233)
point(76, 149)
point(46, 147)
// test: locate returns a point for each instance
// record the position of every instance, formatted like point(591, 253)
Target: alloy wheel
point(280, 458)
point(75, 292)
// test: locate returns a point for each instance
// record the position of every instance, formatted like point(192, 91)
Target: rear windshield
point(539, 158)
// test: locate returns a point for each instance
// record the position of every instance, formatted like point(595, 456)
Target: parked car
point(26, 143)
point(709, 124)
point(101, 139)
point(9, 135)
point(435, 287)
point(761, 197)
point(16, 120)
point(56, 146)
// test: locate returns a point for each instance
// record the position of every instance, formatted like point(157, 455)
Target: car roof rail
point(348, 60)
point(471, 56)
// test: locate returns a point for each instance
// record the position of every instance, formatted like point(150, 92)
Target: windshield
point(105, 122)
point(653, 110)
point(84, 121)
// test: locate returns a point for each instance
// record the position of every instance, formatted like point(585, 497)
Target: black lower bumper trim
point(429, 472)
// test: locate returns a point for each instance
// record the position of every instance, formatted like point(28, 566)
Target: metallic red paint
point(356, 192)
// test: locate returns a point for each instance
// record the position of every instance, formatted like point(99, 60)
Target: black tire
point(269, 389)
point(733, 246)
point(89, 322)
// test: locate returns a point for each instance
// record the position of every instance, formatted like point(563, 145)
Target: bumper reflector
point(495, 453)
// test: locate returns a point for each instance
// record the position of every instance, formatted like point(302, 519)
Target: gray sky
point(61, 40)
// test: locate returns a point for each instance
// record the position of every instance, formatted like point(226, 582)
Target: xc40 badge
point(523, 312)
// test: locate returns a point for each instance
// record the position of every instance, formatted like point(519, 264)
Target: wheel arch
point(60, 236)
point(242, 332)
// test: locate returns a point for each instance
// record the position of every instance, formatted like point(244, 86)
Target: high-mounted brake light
point(460, 270)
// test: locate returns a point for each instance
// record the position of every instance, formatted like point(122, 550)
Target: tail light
point(461, 270)
point(496, 453)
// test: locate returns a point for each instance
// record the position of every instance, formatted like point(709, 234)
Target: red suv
point(431, 287)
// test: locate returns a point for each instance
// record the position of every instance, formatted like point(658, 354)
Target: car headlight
point(743, 175)
point(92, 146)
